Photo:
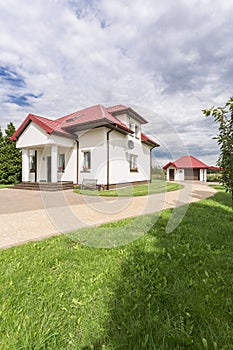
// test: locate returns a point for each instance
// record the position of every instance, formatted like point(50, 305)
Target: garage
point(192, 174)
point(186, 168)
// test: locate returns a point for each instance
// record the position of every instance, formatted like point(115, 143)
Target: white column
point(205, 175)
point(54, 163)
point(25, 164)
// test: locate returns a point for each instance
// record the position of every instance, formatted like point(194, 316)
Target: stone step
point(44, 186)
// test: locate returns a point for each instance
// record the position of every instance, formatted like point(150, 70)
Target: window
point(32, 163)
point(133, 163)
point(61, 162)
point(136, 131)
point(86, 160)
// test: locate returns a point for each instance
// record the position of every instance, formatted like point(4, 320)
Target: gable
point(33, 135)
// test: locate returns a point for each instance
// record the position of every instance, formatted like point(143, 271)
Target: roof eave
point(130, 111)
point(153, 145)
point(60, 133)
point(169, 164)
point(96, 124)
point(30, 118)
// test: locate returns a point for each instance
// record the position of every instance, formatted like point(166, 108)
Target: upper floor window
point(61, 162)
point(136, 130)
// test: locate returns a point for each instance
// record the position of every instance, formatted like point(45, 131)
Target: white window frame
point(133, 160)
point(61, 162)
point(86, 160)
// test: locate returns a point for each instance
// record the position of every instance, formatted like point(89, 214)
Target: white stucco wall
point(179, 174)
point(70, 173)
point(95, 141)
point(203, 175)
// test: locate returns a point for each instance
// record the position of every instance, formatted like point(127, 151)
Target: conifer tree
point(10, 158)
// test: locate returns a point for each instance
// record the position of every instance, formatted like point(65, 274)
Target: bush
point(214, 177)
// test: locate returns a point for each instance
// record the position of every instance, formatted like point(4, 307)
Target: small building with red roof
point(102, 143)
point(186, 168)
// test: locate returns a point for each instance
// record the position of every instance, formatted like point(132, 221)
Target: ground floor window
point(61, 162)
point(133, 162)
point(32, 163)
point(86, 160)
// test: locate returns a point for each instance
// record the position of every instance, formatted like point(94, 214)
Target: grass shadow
point(175, 291)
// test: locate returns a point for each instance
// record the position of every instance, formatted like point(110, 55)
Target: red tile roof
point(92, 116)
point(148, 140)
point(215, 168)
point(187, 162)
point(89, 115)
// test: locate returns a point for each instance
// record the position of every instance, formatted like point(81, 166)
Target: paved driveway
point(33, 215)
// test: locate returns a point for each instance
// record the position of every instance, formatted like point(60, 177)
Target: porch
point(49, 167)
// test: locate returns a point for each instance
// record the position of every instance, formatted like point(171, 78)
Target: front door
point(49, 169)
point(171, 174)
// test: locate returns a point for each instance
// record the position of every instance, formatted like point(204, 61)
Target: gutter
point(77, 164)
point(108, 157)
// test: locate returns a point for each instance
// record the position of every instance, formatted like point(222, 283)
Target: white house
point(186, 168)
point(100, 143)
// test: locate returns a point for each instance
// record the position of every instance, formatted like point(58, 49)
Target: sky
point(167, 59)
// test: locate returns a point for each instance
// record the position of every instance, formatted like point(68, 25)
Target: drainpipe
point(35, 165)
point(108, 157)
point(77, 165)
point(151, 164)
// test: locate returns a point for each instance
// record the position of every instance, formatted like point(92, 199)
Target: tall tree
point(223, 116)
point(10, 158)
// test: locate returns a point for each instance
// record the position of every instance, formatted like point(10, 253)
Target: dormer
point(129, 117)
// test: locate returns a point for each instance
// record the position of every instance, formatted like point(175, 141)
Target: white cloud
point(172, 57)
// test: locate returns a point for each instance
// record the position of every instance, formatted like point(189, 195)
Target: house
point(186, 168)
point(101, 143)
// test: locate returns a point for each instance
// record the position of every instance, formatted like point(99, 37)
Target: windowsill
point(134, 170)
point(85, 171)
point(61, 171)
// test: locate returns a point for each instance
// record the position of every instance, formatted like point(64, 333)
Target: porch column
point(205, 175)
point(25, 164)
point(54, 163)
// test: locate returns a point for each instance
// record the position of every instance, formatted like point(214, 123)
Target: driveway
point(32, 215)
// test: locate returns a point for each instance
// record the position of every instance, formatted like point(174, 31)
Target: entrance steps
point(44, 186)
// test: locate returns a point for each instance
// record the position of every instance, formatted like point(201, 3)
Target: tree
point(10, 158)
point(223, 116)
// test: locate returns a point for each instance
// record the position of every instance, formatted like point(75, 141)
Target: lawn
point(156, 186)
point(163, 291)
point(5, 186)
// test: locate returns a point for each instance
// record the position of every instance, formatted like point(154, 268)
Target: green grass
point(164, 291)
point(157, 186)
point(5, 186)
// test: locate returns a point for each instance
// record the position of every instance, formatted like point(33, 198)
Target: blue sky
point(169, 59)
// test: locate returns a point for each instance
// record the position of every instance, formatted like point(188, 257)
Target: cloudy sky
point(169, 59)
